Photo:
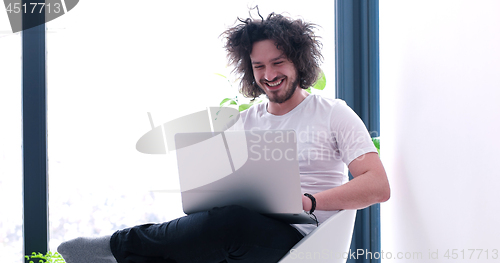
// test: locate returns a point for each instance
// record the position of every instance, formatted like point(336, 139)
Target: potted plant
point(47, 258)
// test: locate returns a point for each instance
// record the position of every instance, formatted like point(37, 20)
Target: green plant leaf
point(228, 101)
point(308, 90)
point(47, 258)
point(321, 83)
point(218, 74)
point(243, 107)
point(376, 142)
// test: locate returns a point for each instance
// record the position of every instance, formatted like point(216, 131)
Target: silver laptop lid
point(255, 169)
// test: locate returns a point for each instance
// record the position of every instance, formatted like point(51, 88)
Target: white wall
point(440, 110)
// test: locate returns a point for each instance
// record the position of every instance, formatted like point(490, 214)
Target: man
point(278, 57)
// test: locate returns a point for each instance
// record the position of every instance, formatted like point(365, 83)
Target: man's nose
point(270, 74)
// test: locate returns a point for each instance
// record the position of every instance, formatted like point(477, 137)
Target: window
point(108, 65)
point(11, 202)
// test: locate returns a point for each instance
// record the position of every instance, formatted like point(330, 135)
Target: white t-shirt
point(329, 136)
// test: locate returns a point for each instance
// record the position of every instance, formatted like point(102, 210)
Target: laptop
point(258, 170)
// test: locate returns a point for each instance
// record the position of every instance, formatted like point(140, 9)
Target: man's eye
point(258, 67)
point(278, 62)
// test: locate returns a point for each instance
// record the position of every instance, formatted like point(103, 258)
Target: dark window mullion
point(357, 82)
point(35, 195)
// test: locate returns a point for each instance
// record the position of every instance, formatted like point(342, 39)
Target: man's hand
point(306, 203)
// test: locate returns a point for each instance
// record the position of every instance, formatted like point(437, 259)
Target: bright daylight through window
point(113, 71)
point(11, 203)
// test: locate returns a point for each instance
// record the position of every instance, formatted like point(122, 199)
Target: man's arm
point(368, 186)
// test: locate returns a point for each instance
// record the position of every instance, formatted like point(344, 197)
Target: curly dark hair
point(295, 38)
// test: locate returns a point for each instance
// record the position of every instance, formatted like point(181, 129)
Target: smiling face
point(273, 72)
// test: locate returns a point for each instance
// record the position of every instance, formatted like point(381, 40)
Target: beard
point(288, 93)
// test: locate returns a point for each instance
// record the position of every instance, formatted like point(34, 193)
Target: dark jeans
point(227, 234)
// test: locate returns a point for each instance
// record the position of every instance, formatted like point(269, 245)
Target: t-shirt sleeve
point(351, 136)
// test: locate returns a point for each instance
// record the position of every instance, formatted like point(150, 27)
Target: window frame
point(34, 114)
